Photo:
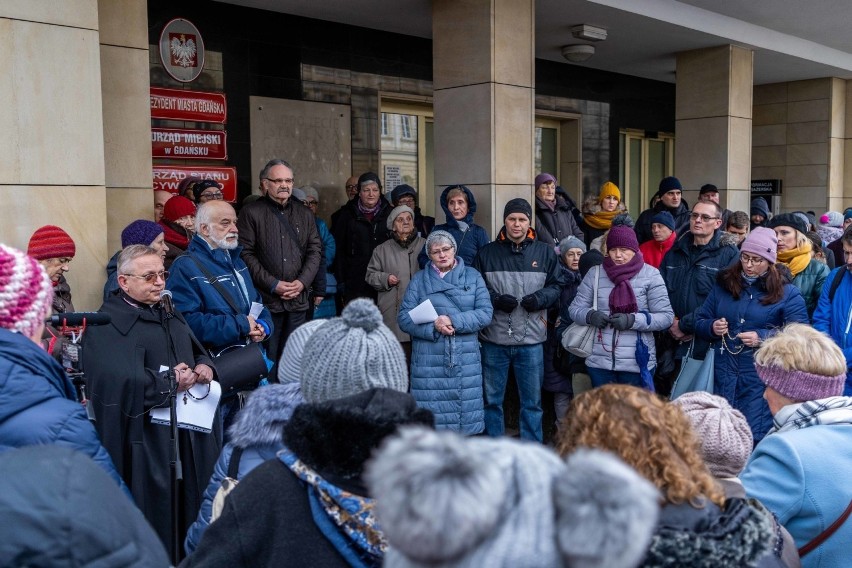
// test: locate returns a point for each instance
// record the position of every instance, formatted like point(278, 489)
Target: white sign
point(393, 177)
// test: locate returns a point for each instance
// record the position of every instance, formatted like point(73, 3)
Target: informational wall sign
point(182, 50)
point(195, 106)
point(189, 144)
point(766, 187)
point(393, 177)
point(168, 178)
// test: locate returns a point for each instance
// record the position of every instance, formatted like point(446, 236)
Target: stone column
point(484, 100)
point(125, 88)
point(714, 121)
point(52, 146)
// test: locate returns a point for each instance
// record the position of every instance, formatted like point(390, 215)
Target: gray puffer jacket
point(616, 350)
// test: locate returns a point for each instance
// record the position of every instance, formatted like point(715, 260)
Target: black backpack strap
point(234, 464)
point(835, 283)
point(216, 284)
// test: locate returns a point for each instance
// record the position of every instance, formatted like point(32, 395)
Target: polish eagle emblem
point(183, 50)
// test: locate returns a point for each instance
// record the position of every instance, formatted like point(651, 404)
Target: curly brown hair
point(648, 433)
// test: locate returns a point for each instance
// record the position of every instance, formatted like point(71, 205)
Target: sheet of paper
point(255, 310)
point(192, 413)
point(423, 312)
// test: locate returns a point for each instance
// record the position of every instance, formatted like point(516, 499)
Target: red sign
point(196, 106)
point(189, 144)
point(168, 178)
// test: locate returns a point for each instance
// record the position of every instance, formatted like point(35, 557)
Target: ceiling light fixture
point(588, 33)
point(578, 53)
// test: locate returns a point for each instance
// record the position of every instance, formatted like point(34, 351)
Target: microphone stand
point(175, 462)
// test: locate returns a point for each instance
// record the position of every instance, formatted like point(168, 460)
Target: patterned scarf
point(831, 410)
point(601, 219)
point(352, 515)
point(622, 299)
point(796, 259)
point(369, 213)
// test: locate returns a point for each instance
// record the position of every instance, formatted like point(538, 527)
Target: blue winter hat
point(668, 184)
point(664, 218)
point(140, 232)
point(403, 189)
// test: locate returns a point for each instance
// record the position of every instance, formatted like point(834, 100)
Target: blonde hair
point(456, 191)
point(650, 434)
point(799, 347)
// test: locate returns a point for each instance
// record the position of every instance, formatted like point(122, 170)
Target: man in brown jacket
point(282, 249)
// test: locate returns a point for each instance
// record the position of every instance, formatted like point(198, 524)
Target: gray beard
point(223, 243)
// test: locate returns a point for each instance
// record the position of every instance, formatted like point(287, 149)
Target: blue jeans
point(601, 377)
point(528, 362)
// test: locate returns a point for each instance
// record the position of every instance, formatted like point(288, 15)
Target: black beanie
point(518, 205)
point(368, 177)
point(589, 260)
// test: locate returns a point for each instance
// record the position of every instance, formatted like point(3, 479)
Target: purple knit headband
point(801, 385)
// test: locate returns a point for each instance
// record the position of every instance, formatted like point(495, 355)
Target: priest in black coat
point(122, 363)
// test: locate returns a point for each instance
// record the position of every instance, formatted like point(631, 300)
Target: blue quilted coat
point(446, 374)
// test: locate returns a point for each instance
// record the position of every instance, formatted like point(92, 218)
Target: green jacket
point(810, 282)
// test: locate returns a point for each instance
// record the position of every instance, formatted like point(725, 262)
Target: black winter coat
point(680, 214)
point(122, 362)
point(553, 225)
point(356, 239)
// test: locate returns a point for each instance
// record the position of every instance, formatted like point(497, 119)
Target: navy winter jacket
point(834, 318)
point(209, 316)
point(735, 377)
point(446, 371)
point(38, 404)
point(468, 242)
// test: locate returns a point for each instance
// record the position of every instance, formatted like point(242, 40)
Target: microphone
point(166, 302)
point(76, 319)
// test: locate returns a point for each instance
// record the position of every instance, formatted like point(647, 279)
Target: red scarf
point(173, 237)
point(622, 299)
point(654, 251)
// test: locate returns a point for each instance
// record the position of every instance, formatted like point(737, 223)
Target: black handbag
point(239, 366)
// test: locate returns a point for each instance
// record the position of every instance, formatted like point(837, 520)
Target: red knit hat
point(26, 292)
point(51, 242)
point(177, 207)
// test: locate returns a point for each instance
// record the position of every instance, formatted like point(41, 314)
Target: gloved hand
point(597, 318)
point(530, 303)
point(505, 303)
point(622, 321)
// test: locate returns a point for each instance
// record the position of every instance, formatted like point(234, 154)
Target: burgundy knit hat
point(26, 292)
point(762, 242)
point(622, 237)
point(177, 207)
point(801, 385)
point(51, 242)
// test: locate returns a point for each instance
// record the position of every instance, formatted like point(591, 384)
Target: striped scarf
point(831, 410)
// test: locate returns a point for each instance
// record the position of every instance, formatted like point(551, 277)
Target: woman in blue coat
point(749, 303)
point(446, 374)
point(459, 205)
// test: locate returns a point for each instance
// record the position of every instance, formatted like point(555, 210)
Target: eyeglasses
point(152, 276)
point(281, 181)
point(351, 186)
point(311, 202)
point(702, 216)
point(406, 200)
point(440, 251)
point(217, 195)
point(752, 260)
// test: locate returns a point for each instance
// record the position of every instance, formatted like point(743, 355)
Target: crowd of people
point(362, 370)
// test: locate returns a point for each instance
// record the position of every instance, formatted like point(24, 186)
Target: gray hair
point(439, 237)
point(204, 213)
point(271, 164)
point(130, 254)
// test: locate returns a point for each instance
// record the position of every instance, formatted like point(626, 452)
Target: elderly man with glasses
point(283, 252)
point(130, 364)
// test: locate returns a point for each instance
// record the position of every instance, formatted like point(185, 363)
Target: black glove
point(530, 303)
point(505, 303)
point(597, 318)
point(622, 321)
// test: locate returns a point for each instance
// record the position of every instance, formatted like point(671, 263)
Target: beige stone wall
point(799, 136)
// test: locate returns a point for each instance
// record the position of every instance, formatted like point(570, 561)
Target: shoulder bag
point(695, 374)
point(240, 365)
point(228, 484)
point(579, 339)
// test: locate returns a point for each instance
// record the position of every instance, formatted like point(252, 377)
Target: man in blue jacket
point(523, 280)
point(833, 314)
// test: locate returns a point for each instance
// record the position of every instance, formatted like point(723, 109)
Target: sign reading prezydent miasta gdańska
point(195, 106)
point(189, 144)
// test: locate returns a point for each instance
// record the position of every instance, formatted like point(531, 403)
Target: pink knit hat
point(762, 242)
point(801, 385)
point(726, 439)
point(25, 292)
